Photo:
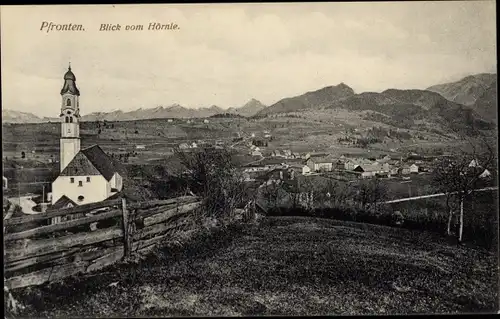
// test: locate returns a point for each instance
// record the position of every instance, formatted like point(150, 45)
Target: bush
point(212, 174)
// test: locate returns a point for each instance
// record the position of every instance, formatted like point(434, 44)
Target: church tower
point(70, 119)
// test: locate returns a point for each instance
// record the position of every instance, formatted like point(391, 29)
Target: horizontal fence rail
point(434, 195)
point(108, 232)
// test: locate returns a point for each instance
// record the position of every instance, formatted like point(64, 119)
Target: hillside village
point(270, 141)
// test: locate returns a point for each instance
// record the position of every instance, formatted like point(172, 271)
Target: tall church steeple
point(70, 119)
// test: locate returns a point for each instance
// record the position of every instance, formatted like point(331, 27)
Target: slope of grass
point(286, 266)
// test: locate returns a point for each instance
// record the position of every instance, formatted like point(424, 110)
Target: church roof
point(100, 160)
point(62, 203)
point(70, 83)
point(90, 161)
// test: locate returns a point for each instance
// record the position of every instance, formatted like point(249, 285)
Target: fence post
point(126, 235)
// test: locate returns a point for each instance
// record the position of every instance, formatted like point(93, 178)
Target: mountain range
point(173, 111)
point(475, 91)
point(401, 108)
point(11, 116)
point(469, 98)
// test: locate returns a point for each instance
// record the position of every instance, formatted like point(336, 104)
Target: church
point(86, 175)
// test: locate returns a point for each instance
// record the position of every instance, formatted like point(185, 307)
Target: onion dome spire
point(70, 83)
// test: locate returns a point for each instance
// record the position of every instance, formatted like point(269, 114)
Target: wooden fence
point(37, 251)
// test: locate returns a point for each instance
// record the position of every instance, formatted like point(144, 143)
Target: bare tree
point(212, 174)
point(271, 193)
point(460, 174)
point(371, 192)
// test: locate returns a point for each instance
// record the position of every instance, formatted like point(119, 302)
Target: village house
point(288, 154)
point(486, 173)
point(413, 168)
point(256, 152)
point(248, 177)
point(206, 121)
point(276, 153)
point(404, 169)
point(279, 174)
point(352, 163)
point(320, 163)
point(393, 171)
point(369, 170)
point(183, 146)
point(384, 159)
point(339, 164)
point(140, 147)
point(474, 163)
point(306, 170)
point(259, 142)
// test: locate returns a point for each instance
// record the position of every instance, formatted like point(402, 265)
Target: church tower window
point(68, 102)
point(67, 119)
point(71, 119)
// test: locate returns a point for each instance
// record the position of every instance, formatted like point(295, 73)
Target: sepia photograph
point(250, 159)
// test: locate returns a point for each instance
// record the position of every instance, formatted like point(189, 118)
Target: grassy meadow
point(284, 266)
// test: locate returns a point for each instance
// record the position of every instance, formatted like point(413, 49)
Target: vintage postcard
point(241, 159)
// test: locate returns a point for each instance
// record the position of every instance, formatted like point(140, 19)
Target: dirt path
point(288, 266)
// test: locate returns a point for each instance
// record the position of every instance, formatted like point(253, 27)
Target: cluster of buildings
point(186, 146)
point(364, 167)
point(354, 167)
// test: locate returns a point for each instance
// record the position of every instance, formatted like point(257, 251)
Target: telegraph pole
point(19, 192)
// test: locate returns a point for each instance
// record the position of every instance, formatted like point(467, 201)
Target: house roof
point(368, 168)
point(90, 161)
point(62, 203)
point(322, 158)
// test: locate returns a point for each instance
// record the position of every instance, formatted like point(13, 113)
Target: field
point(300, 134)
point(152, 142)
point(285, 266)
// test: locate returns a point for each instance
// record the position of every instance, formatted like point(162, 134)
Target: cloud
point(225, 54)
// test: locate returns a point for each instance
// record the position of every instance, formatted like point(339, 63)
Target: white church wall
point(117, 182)
point(96, 190)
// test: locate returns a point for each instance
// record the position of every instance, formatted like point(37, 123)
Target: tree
point(271, 193)
point(371, 192)
point(460, 174)
point(212, 174)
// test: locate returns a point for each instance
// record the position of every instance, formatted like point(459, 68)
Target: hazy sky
point(226, 54)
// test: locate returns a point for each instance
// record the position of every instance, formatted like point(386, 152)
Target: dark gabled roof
point(62, 202)
point(100, 160)
point(90, 161)
point(80, 165)
point(322, 158)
